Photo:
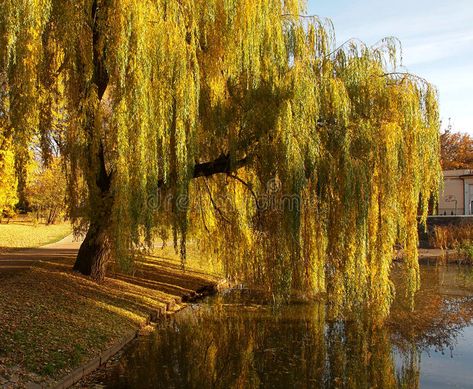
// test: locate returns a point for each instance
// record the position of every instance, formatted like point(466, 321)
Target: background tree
point(235, 119)
point(46, 191)
point(456, 150)
point(8, 182)
point(8, 179)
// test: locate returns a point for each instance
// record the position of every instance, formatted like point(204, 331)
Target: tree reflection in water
point(238, 341)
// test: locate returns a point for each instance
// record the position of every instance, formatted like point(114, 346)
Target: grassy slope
point(28, 235)
point(52, 320)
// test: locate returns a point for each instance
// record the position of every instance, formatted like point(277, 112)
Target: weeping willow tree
point(239, 123)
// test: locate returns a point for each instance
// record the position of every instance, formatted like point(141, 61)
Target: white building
point(456, 198)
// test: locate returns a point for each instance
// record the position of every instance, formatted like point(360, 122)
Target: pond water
point(238, 341)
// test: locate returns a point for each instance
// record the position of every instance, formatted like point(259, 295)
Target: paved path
point(24, 259)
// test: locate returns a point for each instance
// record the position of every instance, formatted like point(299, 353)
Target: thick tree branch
point(222, 164)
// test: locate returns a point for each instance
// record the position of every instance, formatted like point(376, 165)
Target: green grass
point(28, 235)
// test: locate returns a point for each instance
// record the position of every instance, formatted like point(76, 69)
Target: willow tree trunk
point(94, 253)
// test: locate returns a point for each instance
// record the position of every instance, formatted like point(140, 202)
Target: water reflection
point(236, 341)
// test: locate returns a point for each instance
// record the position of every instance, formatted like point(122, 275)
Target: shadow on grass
point(48, 312)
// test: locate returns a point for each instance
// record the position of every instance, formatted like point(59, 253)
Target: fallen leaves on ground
point(53, 320)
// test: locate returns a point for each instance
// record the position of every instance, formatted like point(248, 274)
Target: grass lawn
point(53, 320)
point(26, 234)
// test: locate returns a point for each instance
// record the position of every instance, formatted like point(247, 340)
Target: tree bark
point(94, 253)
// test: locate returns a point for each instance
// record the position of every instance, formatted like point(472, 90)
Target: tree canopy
point(46, 189)
point(239, 124)
point(8, 181)
point(456, 150)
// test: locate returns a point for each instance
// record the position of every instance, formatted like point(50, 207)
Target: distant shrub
point(465, 250)
point(8, 213)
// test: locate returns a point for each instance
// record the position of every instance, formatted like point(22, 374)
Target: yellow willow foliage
point(8, 181)
point(20, 44)
point(328, 153)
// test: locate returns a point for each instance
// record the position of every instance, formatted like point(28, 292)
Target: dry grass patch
point(455, 237)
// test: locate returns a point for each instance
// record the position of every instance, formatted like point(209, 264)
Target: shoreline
point(84, 373)
point(441, 257)
point(58, 325)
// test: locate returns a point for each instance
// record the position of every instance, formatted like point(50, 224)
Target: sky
point(436, 37)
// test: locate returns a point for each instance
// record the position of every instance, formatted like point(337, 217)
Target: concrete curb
point(76, 375)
